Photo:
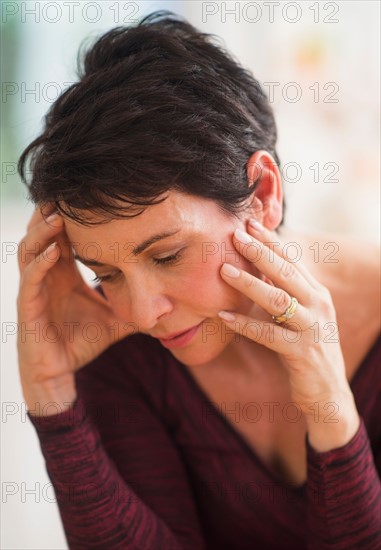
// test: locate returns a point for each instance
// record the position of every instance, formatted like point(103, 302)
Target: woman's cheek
point(193, 284)
point(204, 286)
point(119, 306)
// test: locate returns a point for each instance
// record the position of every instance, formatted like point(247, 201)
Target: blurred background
point(319, 64)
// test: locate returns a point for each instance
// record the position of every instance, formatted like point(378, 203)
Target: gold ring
point(290, 311)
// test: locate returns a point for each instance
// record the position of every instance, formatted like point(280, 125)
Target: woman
point(164, 421)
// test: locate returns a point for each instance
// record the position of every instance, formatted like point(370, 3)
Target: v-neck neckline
point(240, 439)
point(269, 472)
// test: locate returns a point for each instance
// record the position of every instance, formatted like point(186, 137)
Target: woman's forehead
point(176, 208)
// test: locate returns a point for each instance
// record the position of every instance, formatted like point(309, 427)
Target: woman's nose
point(148, 304)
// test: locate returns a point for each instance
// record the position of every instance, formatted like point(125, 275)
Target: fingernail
point(255, 225)
point(226, 315)
point(52, 217)
point(242, 236)
point(50, 248)
point(230, 270)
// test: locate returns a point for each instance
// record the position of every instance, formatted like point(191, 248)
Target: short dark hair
point(158, 106)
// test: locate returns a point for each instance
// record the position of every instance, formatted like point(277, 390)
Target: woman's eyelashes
point(168, 260)
point(104, 278)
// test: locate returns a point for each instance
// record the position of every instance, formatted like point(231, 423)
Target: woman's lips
point(176, 334)
point(182, 339)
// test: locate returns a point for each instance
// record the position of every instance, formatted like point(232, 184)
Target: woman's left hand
point(306, 344)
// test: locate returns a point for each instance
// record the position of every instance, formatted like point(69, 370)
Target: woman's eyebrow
point(135, 251)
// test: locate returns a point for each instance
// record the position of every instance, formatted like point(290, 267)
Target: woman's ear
point(268, 195)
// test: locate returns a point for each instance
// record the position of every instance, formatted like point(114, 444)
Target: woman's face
point(166, 298)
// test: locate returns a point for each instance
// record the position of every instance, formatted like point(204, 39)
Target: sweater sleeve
point(118, 478)
point(344, 496)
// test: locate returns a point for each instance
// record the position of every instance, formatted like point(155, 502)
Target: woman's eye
point(168, 259)
point(160, 261)
point(104, 278)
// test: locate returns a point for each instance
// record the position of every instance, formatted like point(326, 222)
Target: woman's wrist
point(48, 399)
point(325, 436)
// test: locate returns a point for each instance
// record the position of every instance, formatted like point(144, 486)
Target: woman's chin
point(199, 353)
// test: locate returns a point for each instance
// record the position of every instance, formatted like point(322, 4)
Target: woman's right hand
point(63, 324)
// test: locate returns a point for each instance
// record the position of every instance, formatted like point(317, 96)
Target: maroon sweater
point(144, 460)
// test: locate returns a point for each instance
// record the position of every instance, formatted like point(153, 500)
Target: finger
point(34, 273)
point(272, 299)
point(36, 240)
point(65, 245)
point(265, 333)
point(275, 243)
point(283, 273)
point(40, 214)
